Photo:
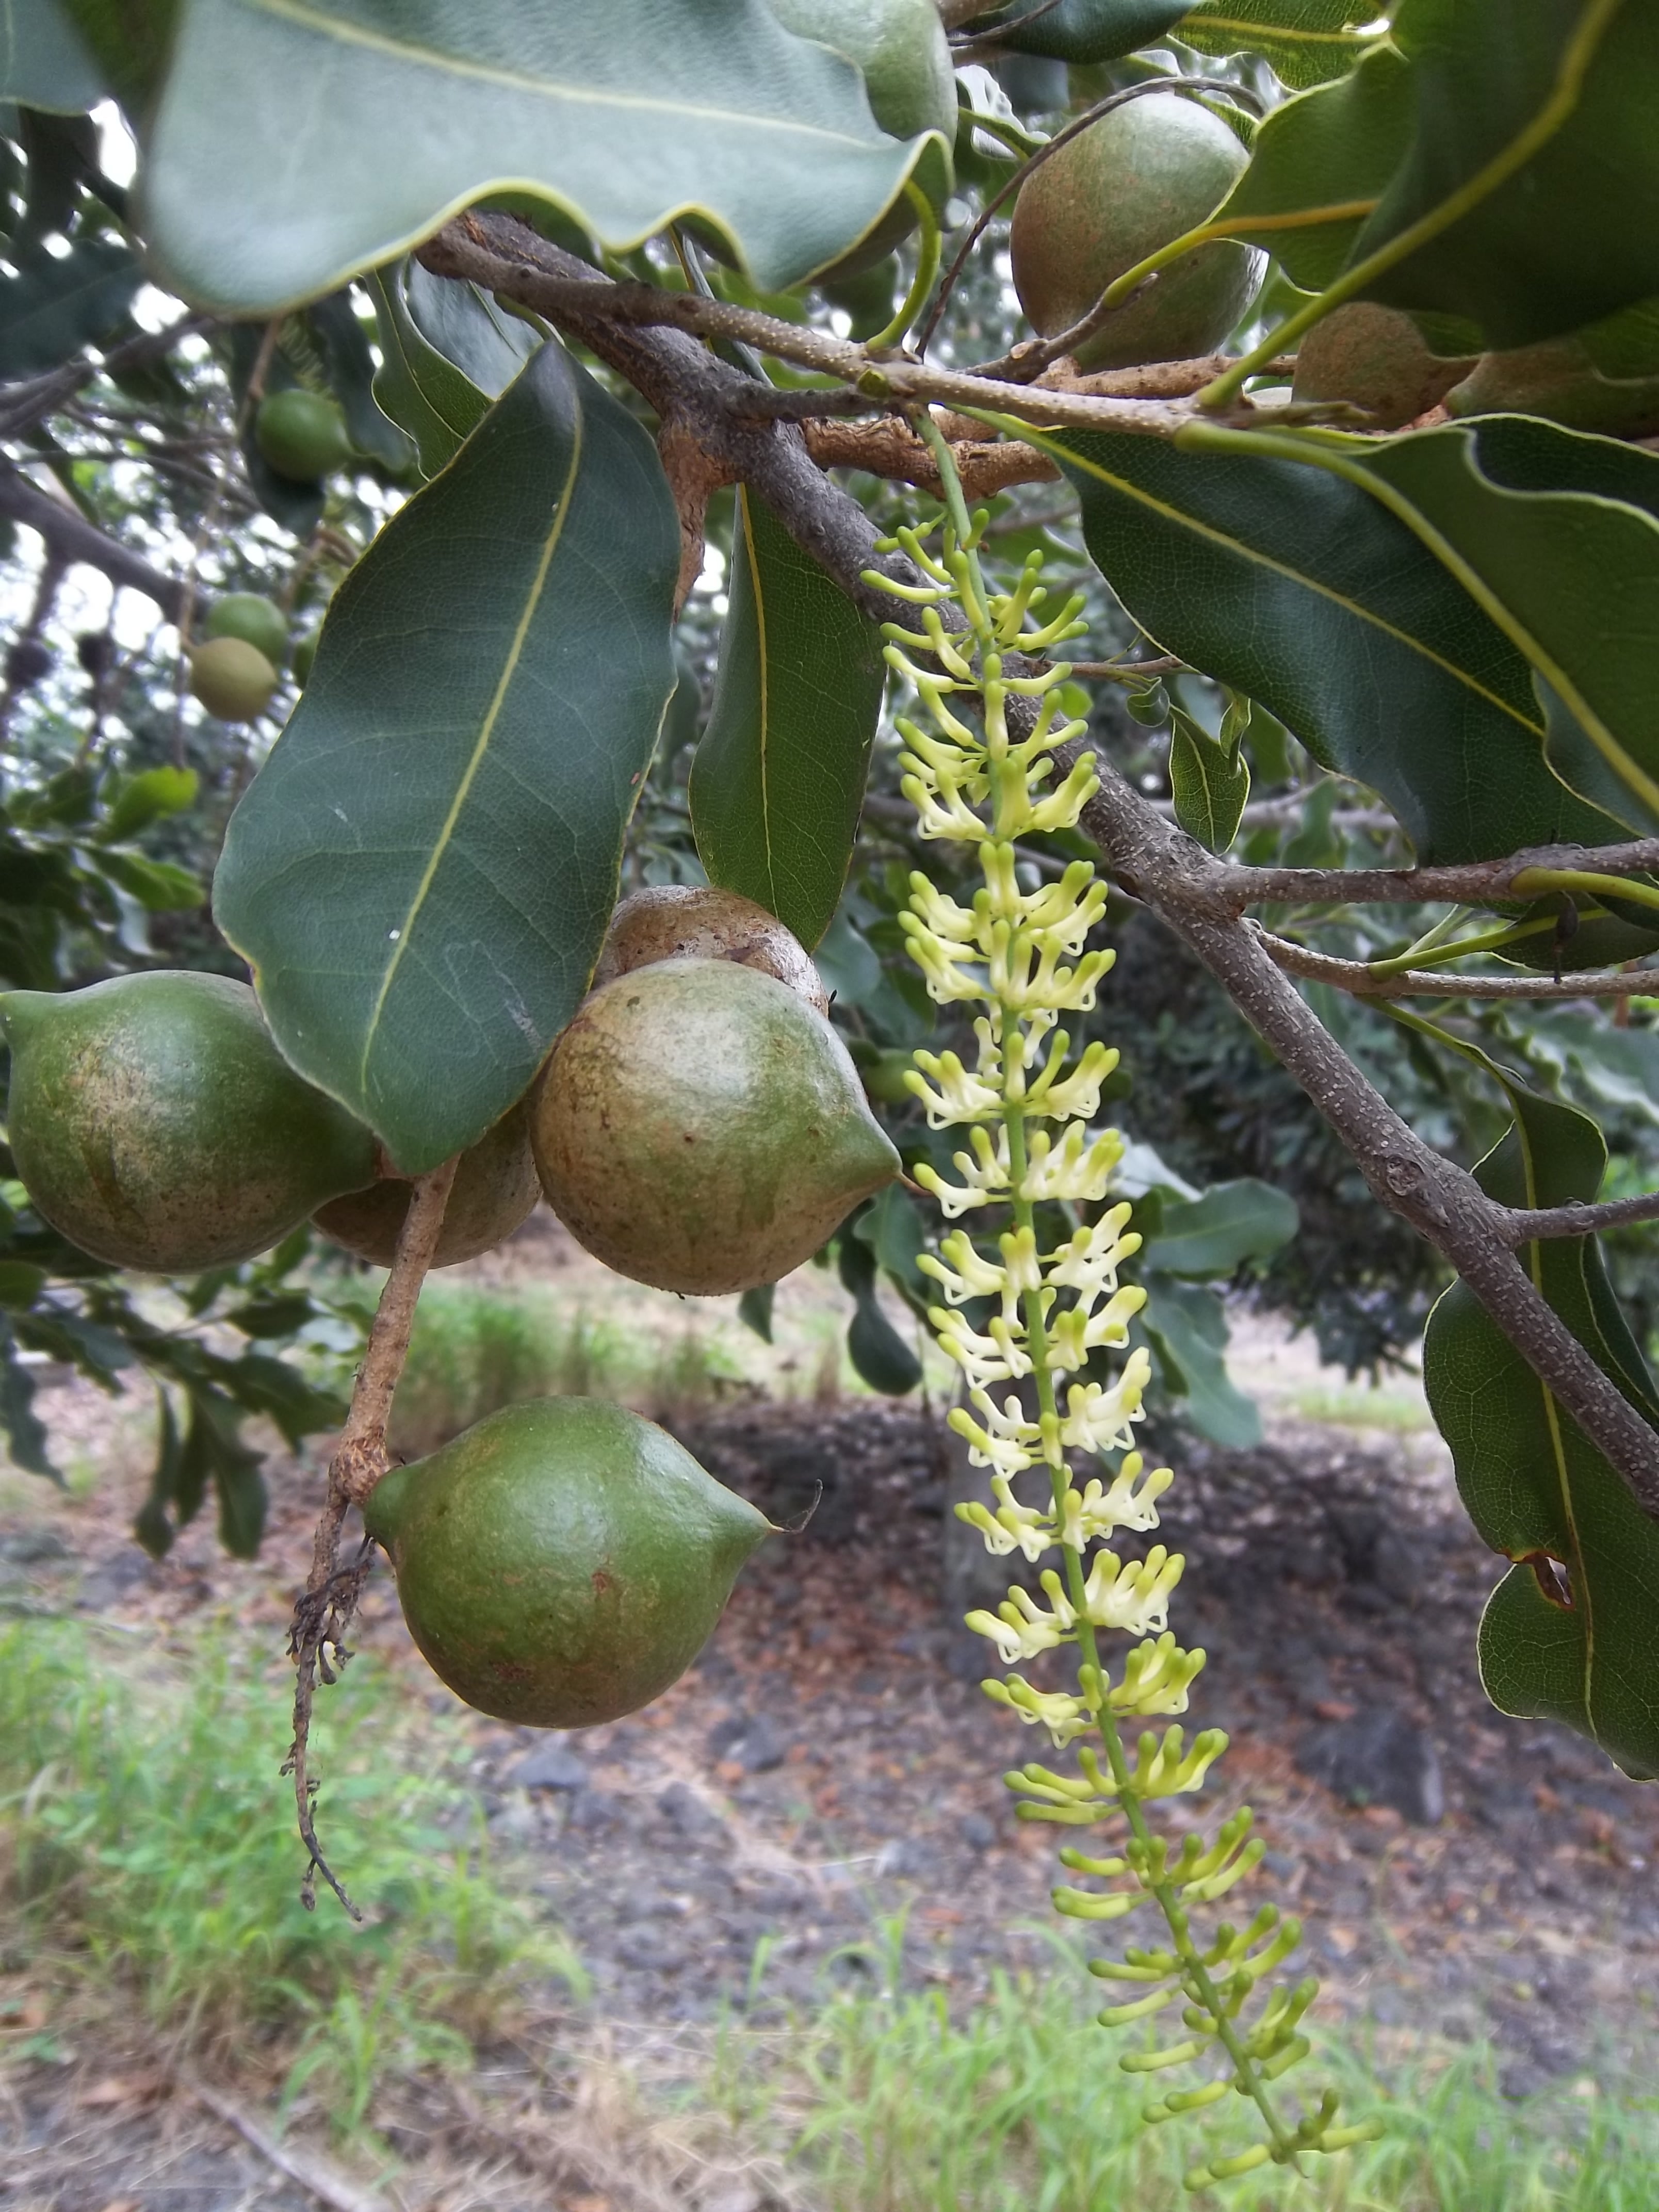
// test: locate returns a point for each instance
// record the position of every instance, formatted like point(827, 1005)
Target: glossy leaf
point(1307, 41)
point(468, 328)
point(1209, 783)
point(43, 61)
point(1568, 1634)
point(25, 1432)
point(1318, 166)
point(55, 305)
point(1557, 535)
point(1297, 588)
point(1540, 119)
point(880, 1355)
point(625, 115)
point(1187, 1328)
point(422, 873)
point(1215, 1234)
point(778, 781)
point(1082, 30)
point(416, 385)
point(351, 374)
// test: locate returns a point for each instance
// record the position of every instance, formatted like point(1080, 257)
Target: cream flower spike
point(1032, 1327)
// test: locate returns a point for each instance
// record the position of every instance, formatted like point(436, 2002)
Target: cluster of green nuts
point(698, 1125)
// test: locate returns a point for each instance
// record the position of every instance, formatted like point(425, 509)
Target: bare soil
point(829, 1765)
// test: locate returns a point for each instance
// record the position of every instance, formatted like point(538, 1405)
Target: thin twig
point(1363, 982)
point(1527, 1223)
point(323, 2180)
point(324, 1610)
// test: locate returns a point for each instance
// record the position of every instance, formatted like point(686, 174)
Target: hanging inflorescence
point(1033, 1316)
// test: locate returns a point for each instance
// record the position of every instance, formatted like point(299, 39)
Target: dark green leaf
point(1557, 535)
point(351, 374)
point(1541, 117)
point(54, 307)
point(62, 150)
point(1536, 1490)
point(1209, 785)
point(237, 1482)
point(892, 1228)
point(880, 1355)
point(468, 328)
point(270, 1318)
point(754, 1310)
point(1318, 166)
point(259, 1384)
point(1187, 1328)
point(1214, 1235)
point(154, 1527)
point(26, 1436)
point(1081, 30)
point(21, 1284)
point(778, 781)
point(626, 115)
point(418, 389)
point(421, 874)
point(1296, 588)
point(1307, 41)
point(43, 61)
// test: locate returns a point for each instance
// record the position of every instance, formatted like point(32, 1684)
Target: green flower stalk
point(1051, 1317)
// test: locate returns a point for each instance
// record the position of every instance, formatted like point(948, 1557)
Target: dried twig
point(1363, 981)
point(319, 2175)
point(324, 1610)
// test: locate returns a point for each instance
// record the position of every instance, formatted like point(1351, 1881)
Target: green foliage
point(1305, 594)
point(143, 1814)
point(54, 306)
point(428, 329)
point(889, 2101)
point(412, 961)
point(1564, 1633)
point(1209, 782)
point(1307, 41)
point(778, 782)
point(624, 123)
point(1080, 30)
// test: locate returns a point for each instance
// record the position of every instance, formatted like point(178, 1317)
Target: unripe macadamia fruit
point(1138, 179)
point(678, 921)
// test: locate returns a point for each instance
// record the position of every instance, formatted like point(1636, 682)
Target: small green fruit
point(259, 623)
point(563, 1562)
point(301, 435)
point(695, 921)
point(1375, 358)
point(232, 678)
point(305, 653)
point(882, 1070)
point(700, 1128)
point(495, 1189)
point(1132, 182)
point(155, 1123)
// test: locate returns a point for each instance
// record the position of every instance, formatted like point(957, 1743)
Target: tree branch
point(504, 254)
point(644, 335)
point(1470, 883)
point(69, 538)
point(1365, 982)
point(1168, 872)
point(323, 1612)
point(1527, 1223)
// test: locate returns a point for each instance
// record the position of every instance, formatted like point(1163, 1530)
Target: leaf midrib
point(765, 703)
point(356, 34)
point(515, 652)
point(1051, 442)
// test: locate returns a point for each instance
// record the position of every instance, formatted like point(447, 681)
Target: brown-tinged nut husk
point(1374, 357)
point(678, 921)
point(494, 1190)
point(699, 1128)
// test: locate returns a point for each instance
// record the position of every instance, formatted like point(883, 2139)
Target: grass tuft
point(152, 1844)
